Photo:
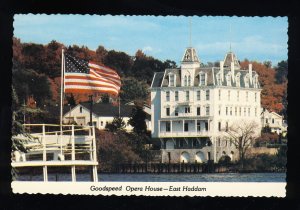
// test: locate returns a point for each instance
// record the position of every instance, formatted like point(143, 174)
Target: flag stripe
point(83, 77)
point(78, 78)
point(91, 83)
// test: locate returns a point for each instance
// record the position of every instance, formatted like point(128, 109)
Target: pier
point(55, 146)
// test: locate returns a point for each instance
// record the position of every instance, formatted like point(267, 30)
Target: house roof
point(108, 110)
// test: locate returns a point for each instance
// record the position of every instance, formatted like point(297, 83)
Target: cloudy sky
point(254, 38)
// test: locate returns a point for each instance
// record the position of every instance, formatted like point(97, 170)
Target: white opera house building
point(192, 106)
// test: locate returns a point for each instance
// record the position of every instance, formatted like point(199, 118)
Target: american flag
point(87, 77)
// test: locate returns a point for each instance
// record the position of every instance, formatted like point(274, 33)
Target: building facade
point(101, 115)
point(274, 121)
point(192, 106)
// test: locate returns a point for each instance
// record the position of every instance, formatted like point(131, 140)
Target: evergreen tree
point(137, 120)
point(117, 124)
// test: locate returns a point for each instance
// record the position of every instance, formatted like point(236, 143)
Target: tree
point(105, 99)
point(137, 120)
point(133, 89)
point(281, 72)
point(242, 135)
point(119, 61)
point(117, 124)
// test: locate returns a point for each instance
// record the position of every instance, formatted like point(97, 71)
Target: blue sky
point(255, 38)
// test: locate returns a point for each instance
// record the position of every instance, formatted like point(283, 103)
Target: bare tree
point(242, 135)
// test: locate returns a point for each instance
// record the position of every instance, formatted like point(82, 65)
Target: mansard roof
point(161, 79)
point(190, 55)
point(231, 57)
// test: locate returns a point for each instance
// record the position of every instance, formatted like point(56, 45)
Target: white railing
point(59, 142)
point(185, 134)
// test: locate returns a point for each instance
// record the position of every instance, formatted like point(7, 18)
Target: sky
point(255, 38)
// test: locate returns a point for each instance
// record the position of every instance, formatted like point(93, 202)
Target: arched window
point(246, 80)
point(189, 81)
point(255, 81)
point(219, 82)
point(185, 80)
point(228, 79)
point(237, 80)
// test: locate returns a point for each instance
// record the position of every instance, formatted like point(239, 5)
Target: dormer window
point(228, 79)
point(255, 81)
point(202, 79)
point(237, 80)
point(246, 79)
point(219, 81)
point(172, 80)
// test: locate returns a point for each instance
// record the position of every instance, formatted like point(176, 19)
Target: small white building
point(191, 107)
point(101, 115)
point(274, 121)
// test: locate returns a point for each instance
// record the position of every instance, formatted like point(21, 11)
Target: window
point(80, 109)
point(168, 111)
point(240, 112)
point(235, 111)
point(272, 120)
point(198, 95)
point(101, 123)
point(171, 80)
point(168, 126)
point(219, 81)
point(228, 95)
point(226, 129)
point(219, 142)
point(247, 95)
point(206, 126)
point(226, 110)
point(207, 110)
point(176, 111)
point(167, 96)
point(219, 110)
point(230, 110)
point(267, 121)
point(219, 126)
point(187, 95)
point(219, 95)
point(207, 94)
point(185, 80)
point(198, 126)
point(176, 95)
point(202, 79)
point(189, 80)
point(228, 79)
point(248, 111)
point(187, 109)
point(186, 126)
point(247, 81)
point(181, 142)
point(244, 111)
point(198, 111)
point(237, 80)
point(238, 95)
point(255, 97)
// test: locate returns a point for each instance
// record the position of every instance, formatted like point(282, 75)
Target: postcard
point(149, 105)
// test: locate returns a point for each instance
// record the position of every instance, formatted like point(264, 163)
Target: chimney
point(250, 72)
point(222, 70)
point(232, 70)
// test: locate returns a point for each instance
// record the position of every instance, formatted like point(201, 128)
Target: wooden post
point(44, 144)
point(73, 143)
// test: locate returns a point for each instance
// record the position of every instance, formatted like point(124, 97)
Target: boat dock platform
point(58, 146)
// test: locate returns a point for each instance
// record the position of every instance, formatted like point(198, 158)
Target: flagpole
point(61, 96)
point(119, 107)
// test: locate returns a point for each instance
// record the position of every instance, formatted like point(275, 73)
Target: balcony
point(164, 134)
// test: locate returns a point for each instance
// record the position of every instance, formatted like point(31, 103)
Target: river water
point(200, 177)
